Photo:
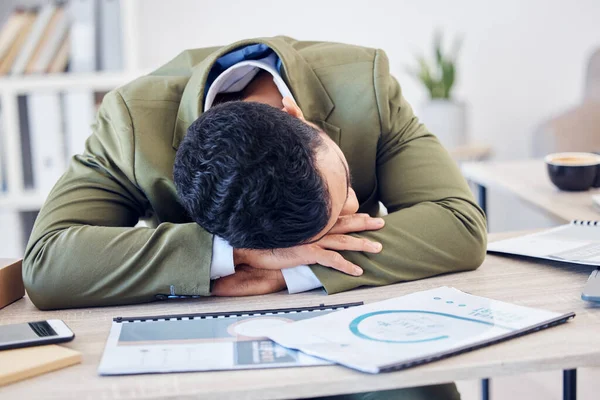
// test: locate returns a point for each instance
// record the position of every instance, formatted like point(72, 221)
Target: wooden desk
point(470, 152)
point(529, 181)
point(544, 285)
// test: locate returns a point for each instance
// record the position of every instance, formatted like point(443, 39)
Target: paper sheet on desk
point(200, 344)
point(575, 243)
point(410, 330)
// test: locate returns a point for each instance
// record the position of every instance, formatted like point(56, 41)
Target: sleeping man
point(257, 166)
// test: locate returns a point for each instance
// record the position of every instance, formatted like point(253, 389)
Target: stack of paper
point(411, 330)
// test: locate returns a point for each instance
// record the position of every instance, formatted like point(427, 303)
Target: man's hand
point(324, 252)
point(248, 281)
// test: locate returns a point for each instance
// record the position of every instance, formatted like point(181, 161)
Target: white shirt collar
point(238, 76)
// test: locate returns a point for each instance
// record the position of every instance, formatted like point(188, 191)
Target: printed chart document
point(577, 242)
point(411, 330)
point(203, 342)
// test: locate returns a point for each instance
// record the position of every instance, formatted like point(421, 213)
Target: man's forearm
point(420, 241)
point(83, 266)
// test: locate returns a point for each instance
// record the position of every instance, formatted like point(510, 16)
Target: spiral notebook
point(411, 330)
point(204, 342)
point(577, 242)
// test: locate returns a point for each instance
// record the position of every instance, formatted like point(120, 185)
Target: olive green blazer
point(85, 250)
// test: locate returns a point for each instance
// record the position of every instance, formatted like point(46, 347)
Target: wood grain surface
point(19, 364)
point(553, 286)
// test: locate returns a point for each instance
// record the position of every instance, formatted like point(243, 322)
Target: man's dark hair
point(247, 172)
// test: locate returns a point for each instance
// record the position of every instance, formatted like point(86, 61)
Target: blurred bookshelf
point(57, 60)
point(101, 81)
point(28, 200)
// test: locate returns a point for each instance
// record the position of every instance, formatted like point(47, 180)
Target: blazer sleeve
point(434, 225)
point(84, 249)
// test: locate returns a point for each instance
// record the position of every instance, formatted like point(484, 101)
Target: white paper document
point(577, 242)
point(410, 330)
point(201, 343)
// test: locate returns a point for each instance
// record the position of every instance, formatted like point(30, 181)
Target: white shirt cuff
point(222, 259)
point(300, 279)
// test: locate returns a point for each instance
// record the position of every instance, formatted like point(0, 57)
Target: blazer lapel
point(306, 87)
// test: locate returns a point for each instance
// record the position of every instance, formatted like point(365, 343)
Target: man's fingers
point(336, 261)
point(347, 242)
point(357, 223)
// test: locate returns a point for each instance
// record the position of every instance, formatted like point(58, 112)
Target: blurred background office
point(519, 63)
point(516, 66)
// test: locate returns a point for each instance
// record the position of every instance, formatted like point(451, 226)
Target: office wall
point(522, 60)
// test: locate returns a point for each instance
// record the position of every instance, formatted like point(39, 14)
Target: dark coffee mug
point(574, 171)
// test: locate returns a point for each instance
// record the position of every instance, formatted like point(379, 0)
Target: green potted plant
point(443, 115)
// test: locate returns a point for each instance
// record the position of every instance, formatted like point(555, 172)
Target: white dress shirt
point(235, 79)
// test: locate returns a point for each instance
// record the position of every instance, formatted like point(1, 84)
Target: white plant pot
point(446, 119)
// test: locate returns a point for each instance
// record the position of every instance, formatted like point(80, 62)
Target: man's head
point(261, 177)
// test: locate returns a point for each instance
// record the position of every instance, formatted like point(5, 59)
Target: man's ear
point(290, 107)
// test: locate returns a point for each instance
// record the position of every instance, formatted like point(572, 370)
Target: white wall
point(522, 60)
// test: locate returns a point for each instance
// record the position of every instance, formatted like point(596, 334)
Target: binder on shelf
point(83, 57)
point(13, 52)
point(53, 37)
point(47, 142)
point(61, 59)
point(111, 52)
point(79, 116)
point(26, 159)
point(11, 30)
point(34, 38)
point(79, 105)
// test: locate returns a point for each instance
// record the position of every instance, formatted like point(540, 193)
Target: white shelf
point(94, 81)
point(17, 198)
point(27, 201)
